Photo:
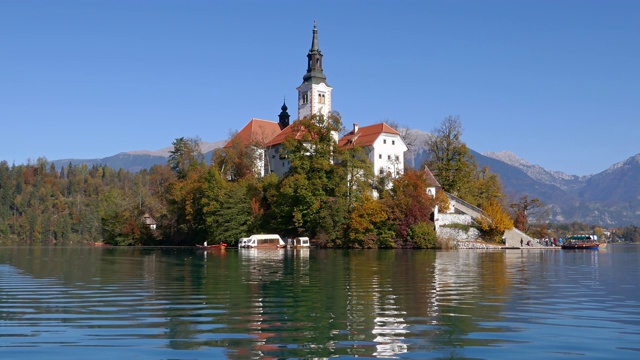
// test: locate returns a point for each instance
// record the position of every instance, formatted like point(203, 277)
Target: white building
point(383, 144)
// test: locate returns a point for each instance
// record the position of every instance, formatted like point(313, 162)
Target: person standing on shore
point(521, 242)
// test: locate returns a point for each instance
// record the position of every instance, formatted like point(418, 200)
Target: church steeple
point(314, 73)
point(314, 94)
point(283, 118)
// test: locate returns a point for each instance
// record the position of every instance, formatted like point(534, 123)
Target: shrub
point(423, 235)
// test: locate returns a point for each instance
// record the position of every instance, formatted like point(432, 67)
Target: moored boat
point(269, 241)
point(220, 246)
point(576, 242)
point(299, 242)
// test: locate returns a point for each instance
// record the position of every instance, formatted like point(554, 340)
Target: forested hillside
point(193, 201)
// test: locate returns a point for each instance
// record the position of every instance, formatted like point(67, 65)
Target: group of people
point(545, 242)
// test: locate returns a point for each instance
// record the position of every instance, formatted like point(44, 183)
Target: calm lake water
point(178, 303)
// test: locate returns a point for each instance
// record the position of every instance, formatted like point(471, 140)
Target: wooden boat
point(268, 241)
point(220, 246)
point(577, 242)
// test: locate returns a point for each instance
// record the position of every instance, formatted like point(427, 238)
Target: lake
point(179, 303)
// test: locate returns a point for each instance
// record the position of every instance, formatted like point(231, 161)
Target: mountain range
point(609, 198)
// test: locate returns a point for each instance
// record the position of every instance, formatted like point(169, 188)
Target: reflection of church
point(383, 145)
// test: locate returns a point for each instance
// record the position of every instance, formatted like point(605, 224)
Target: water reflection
point(311, 303)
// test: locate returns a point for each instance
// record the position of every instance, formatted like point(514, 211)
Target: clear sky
point(556, 82)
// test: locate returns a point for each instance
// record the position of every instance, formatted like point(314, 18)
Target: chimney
point(355, 128)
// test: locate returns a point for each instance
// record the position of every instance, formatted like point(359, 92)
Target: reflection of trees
point(284, 303)
point(468, 286)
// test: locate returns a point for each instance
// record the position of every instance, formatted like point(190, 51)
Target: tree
point(409, 204)
point(311, 179)
point(449, 158)
point(522, 210)
point(239, 160)
point(495, 221)
point(353, 170)
point(118, 217)
point(367, 223)
point(186, 154)
point(423, 235)
point(231, 218)
point(185, 201)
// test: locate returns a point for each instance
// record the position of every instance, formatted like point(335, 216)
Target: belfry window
point(304, 98)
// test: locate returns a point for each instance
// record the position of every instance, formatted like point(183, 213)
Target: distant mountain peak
point(558, 178)
point(508, 157)
point(628, 162)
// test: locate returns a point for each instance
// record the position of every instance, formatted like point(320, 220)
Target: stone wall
point(459, 235)
point(446, 219)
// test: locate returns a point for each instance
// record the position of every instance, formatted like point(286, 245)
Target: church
point(382, 144)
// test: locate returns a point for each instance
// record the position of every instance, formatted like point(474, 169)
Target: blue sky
point(555, 82)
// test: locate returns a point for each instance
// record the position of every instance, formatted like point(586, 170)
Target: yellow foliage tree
point(496, 221)
point(364, 223)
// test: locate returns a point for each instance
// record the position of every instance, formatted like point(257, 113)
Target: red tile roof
point(366, 135)
point(257, 131)
point(282, 136)
point(430, 179)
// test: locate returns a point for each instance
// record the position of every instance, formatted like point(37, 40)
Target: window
point(397, 158)
point(381, 171)
point(304, 97)
point(393, 142)
point(380, 156)
point(321, 98)
point(384, 141)
point(388, 157)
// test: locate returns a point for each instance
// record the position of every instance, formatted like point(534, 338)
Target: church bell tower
point(314, 94)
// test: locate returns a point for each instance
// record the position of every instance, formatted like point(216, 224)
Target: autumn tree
point(523, 209)
point(119, 214)
point(368, 226)
point(409, 204)
point(185, 201)
point(239, 160)
point(495, 220)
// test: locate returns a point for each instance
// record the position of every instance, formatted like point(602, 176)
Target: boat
point(242, 243)
point(586, 242)
point(269, 241)
point(220, 246)
point(299, 242)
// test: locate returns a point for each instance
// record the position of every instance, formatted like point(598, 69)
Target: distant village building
point(149, 221)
